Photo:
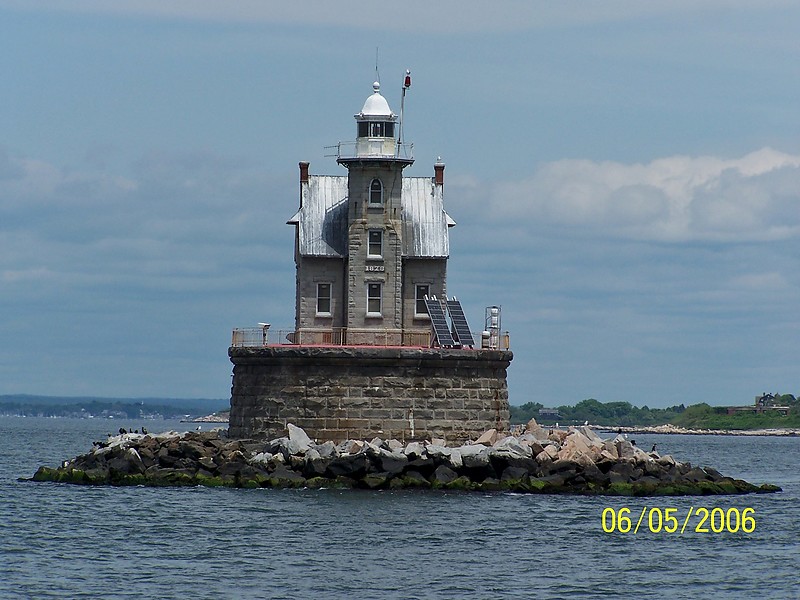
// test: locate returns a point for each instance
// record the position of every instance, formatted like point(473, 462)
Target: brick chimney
point(304, 171)
point(438, 170)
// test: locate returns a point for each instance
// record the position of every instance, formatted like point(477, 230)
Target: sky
point(625, 177)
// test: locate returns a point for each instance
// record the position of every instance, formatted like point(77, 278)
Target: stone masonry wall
point(358, 392)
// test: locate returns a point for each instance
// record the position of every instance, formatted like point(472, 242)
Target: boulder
point(264, 458)
point(534, 446)
point(443, 475)
point(488, 438)
point(207, 463)
point(278, 446)
point(666, 460)
point(574, 447)
point(350, 447)
point(549, 454)
point(394, 445)
point(536, 430)
point(512, 446)
point(625, 450)
point(475, 460)
point(696, 475)
point(440, 454)
point(326, 450)
point(412, 479)
point(514, 473)
point(425, 465)
point(414, 450)
point(610, 448)
point(283, 478)
point(374, 481)
point(315, 467)
point(590, 434)
point(166, 459)
point(393, 463)
point(299, 442)
point(191, 449)
point(353, 466)
point(455, 458)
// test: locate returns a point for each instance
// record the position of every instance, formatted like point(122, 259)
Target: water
point(64, 541)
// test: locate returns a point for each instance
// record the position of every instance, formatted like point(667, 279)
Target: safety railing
point(249, 337)
point(255, 337)
point(372, 148)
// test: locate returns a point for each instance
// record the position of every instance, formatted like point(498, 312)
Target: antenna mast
point(406, 85)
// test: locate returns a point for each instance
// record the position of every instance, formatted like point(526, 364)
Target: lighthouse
point(371, 244)
point(378, 348)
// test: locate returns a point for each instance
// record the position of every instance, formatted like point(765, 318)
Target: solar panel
point(439, 323)
point(463, 334)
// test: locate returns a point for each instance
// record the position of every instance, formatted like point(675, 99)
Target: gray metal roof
point(322, 218)
point(425, 222)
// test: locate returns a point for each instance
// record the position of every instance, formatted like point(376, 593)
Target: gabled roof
point(425, 222)
point(322, 218)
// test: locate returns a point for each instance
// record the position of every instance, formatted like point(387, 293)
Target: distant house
point(549, 414)
point(763, 404)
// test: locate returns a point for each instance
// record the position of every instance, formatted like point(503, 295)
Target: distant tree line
point(46, 406)
point(625, 414)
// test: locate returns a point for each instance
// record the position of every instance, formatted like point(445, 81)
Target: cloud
point(108, 267)
point(768, 282)
point(675, 199)
point(180, 222)
point(446, 16)
point(603, 268)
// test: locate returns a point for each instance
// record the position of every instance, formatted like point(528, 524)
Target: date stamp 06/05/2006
point(669, 520)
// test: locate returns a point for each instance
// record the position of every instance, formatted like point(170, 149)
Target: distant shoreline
point(221, 417)
point(672, 429)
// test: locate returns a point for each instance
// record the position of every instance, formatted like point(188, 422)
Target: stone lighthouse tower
point(374, 189)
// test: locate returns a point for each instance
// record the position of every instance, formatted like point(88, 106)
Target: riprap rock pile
point(574, 461)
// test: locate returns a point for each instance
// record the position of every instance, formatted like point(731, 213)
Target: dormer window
point(376, 192)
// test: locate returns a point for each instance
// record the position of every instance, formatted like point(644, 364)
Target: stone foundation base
point(338, 393)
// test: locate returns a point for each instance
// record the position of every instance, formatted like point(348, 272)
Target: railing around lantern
point(372, 148)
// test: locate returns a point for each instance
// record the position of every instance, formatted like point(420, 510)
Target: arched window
point(376, 192)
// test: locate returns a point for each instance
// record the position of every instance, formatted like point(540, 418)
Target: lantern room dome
point(376, 105)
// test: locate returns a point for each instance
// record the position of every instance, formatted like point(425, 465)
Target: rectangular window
point(375, 247)
point(422, 290)
point(323, 299)
point(374, 299)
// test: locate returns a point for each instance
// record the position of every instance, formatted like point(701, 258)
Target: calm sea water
point(63, 541)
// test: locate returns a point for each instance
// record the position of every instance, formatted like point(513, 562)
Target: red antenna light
point(407, 82)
